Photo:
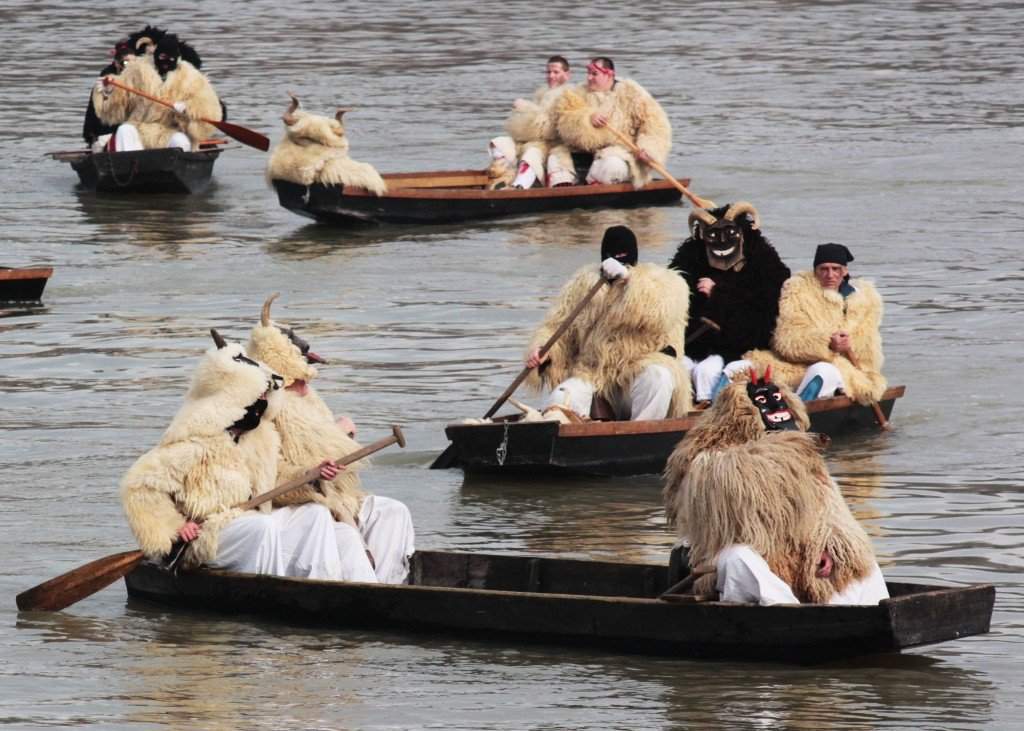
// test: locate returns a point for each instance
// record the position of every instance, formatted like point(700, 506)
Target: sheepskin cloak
point(630, 109)
point(773, 493)
point(623, 329)
point(307, 430)
point(155, 122)
point(744, 303)
point(197, 471)
point(808, 315)
point(315, 150)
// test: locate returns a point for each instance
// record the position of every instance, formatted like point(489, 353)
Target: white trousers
point(831, 379)
point(648, 396)
point(127, 139)
point(386, 528)
point(561, 170)
point(608, 169)
point(705, 374)
point(744, 576)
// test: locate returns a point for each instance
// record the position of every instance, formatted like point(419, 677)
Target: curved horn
point(289, 116)
point(265, 315)
point(220, 341)
point(699, 214)
point(740, 208)
point(341, 113)
point(767, 375)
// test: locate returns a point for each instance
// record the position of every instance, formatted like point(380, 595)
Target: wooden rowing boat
point(613, 605)
point(25, 283)
point(511, 446)
point(460, 195)
point(169, 170)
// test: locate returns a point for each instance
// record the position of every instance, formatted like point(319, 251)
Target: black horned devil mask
point(769, 401)
point(723, 237)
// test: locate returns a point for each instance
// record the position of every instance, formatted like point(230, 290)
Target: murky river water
point(894, 127)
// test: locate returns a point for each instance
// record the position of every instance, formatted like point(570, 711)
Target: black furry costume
point(745, 303)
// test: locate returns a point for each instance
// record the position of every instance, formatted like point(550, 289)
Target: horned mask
point(723, 237)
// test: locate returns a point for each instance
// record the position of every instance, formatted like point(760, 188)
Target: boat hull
point(615, 447)
point(456, 196)
point(169, 170)
point(23, 284)
point(606, 604)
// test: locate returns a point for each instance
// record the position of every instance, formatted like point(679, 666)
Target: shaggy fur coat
point(307, 430)
point(630, 109)
point(315, 150)
point(745, 303)
point(155, 122)
point(772, 492)
point(808, 315)
point(626, 327)
point(197, 471)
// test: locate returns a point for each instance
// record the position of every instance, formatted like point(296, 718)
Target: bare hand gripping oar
point(243, 134)
point(447, 457)
point(77, 584)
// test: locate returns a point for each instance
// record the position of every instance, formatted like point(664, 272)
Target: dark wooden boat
point(460, 195)
point(26, 283)
point(511, 446)
point(169, 170)
point(612, 605)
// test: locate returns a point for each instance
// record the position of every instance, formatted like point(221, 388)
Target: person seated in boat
point(751, 495)
point(531, 133)
point(94, 130)
point(735, 277)
point(315, 151)
point(143, 124)
point(310, 433)
point(219, 451)
point(586, 114)
point(827, 337)
point(624, 349)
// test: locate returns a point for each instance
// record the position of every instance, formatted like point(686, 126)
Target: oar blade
point(77, 584)
point(246, 136)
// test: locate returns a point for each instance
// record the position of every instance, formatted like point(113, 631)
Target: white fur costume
point(308, 435)
point(531, 133)
point(198, 472)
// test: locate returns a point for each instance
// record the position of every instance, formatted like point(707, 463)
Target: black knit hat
point(832, 254)
point(619, 243)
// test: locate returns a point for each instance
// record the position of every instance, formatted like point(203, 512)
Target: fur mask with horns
point(281, 349)
point(304, 128)
point(723, 232)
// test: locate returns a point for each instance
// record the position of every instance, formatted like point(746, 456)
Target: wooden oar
point(883, 423)
point(447, 458)
point(243, 134)
point(635, 149)
point(706, 324)
point(77, 584)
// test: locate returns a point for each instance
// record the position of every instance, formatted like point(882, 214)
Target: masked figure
point(625, 345)
point(735, 276)
point(221, 450)
point(753, 498)
point(371, 528)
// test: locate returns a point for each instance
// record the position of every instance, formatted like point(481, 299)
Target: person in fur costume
point(315, 150)
point(146, 125)
point(531, 133)
point(735, 276)
point(309, 433)
point(220, 450)
point(827, 336)
point(765, 522)
point(584, 112)
point(625, 345)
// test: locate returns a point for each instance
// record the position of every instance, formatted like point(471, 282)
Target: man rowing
point(827, 336)
point(625, 346)
point(587, 113)
point(531, 130)
point(220, 450)
point(378, 528)
point(144, 124)
point(735, 276)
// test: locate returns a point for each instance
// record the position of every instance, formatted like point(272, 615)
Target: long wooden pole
point(635, 149)
point(243, 134)
point(84, 581)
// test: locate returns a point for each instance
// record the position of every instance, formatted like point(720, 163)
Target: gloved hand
point(614, 269)
point(181, 108)
point(103, 87)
